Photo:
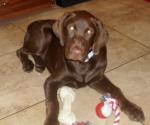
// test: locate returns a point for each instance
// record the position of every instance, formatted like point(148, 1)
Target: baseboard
point(66, 3)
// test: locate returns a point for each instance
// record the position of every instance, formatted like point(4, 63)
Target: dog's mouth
point(76, 54)
point(77, 51)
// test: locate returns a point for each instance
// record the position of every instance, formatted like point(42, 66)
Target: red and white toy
point(108, 106)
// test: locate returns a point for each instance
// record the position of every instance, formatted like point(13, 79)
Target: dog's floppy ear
point(101, 36)
point(58, 27)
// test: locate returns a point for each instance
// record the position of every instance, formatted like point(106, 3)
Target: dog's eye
point(89, 32)
point(72, 28)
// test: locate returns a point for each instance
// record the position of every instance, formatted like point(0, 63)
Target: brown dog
point(75, 57)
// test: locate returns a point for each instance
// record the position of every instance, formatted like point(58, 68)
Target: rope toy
point(105, 108)
point(82, 123)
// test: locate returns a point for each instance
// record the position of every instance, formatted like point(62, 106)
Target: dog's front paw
point(134, 112)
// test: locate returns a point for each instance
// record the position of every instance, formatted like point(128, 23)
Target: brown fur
point(62, 50)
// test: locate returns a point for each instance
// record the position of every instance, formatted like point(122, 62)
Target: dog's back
point(38, 36)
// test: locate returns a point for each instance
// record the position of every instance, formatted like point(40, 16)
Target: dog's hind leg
point(27, 64)
point(39, 63)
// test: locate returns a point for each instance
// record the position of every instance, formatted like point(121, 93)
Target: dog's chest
point(79, 72)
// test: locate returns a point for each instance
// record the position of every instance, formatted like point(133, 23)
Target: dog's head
point(78, 32)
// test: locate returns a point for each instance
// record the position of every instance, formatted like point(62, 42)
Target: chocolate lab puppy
point(73, 49)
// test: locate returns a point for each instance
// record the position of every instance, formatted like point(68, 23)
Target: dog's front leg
point(52, 105)
point(133, 111)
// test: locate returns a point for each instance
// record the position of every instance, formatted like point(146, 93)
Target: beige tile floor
point(128, 23)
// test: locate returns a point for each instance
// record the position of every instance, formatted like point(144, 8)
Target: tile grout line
point(132, 60)
point(143, 7)
point(7, 53)
point(12, 114)
point(128, 37)
point(106, 25)
point(17, 26)
point(44, 99)
point(11, 22)
point(105, 72)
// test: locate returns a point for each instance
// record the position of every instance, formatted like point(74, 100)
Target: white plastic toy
point(67, 96)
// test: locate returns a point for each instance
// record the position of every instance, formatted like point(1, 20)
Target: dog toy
point(82, 123)
point(105, 108)
point(67, 96)
point(66, 116)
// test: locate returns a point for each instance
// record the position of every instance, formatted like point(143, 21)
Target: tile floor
point(128, 23)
